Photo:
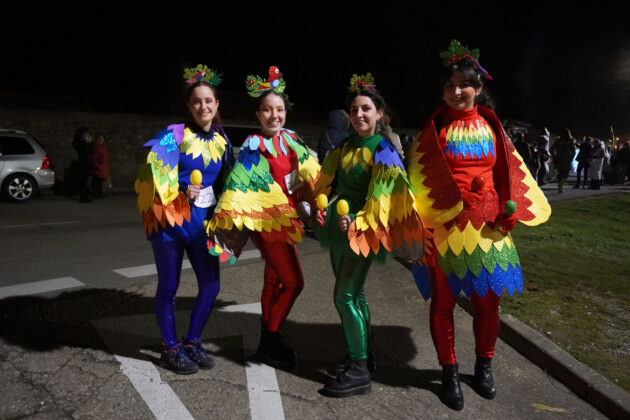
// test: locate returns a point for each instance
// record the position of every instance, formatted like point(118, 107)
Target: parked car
point(25, 169)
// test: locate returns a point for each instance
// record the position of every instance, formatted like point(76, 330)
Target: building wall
point(124, 135)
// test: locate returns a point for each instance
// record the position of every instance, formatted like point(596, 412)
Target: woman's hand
point(506, 223)
point(344, 223)
point(193, 191)
point(320, 216)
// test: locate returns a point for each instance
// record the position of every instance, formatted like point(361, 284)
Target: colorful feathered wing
point(251, 199)
point(437, 197)
point(308, 167)
point(157, 185)
point(532, 207)
point(388, 217)
point(324, 182)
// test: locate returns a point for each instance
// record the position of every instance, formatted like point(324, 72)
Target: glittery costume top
point(463, 168)
point(271, 176)
point(369, 174)
point(162, 181)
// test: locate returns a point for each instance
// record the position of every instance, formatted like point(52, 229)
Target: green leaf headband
point(256, 85)
point(457, 52)
point(202, 73)
point(364, 81)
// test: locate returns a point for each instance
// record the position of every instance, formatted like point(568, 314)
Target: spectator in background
point(622, 159)
point(337, 130)
point(522, 147)
point(543, 156)
point(584, 161)
point(82, 143)
point(562, 153)
point(100, 166)
point(597, 163)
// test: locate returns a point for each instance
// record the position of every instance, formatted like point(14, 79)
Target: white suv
point(25, 168)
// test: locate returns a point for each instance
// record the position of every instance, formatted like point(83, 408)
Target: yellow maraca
point(322, 203)
point(342, 207)
point(196, 177)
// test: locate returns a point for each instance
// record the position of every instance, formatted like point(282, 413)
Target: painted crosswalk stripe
point(265, 401)
point(159, 397)
point(38, 287)
point(262, 384)
point(149, 269)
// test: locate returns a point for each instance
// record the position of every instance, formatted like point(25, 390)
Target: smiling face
point(272, 115)
point(364, 115)
point(459, 92)
point(203, 106)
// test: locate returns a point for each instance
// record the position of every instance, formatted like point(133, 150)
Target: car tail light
point(46, 163)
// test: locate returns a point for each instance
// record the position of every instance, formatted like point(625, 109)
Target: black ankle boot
point(355, 380)
point(451, 392)
point(273, 351)
point(483, 381)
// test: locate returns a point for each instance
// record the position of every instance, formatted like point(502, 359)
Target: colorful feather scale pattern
point(437, 197)
point(253, 200)
point(159, 200)
point(473, 255)
point(388, 218)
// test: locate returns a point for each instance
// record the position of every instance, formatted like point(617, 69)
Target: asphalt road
point(86, 349)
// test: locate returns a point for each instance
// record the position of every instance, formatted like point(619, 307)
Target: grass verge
point(577, 282)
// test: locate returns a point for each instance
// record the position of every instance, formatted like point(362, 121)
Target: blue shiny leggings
point(168, 260)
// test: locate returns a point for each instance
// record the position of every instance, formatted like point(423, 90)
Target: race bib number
point(206, 198)
point(293, 182)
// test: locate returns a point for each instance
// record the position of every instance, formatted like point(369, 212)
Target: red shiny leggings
point(485, 320)
point(283, 281)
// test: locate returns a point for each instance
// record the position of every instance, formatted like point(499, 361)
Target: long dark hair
point(473, 76)
point(189, 90)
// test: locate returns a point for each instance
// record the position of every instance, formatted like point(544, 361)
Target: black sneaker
point(177, 360)
point(198, 354)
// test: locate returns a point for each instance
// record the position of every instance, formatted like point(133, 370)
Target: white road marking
point(249, 254)
point(37, 287)
point(160, 398)
point(67, 222)
point(144, 270)
point(149, 269)
point(264, 394)
point(262, 384)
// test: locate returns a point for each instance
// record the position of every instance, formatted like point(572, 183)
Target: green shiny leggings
point(350, 273)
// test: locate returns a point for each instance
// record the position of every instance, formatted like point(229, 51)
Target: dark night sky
point(557, 64)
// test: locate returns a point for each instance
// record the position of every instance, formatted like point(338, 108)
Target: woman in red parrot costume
point(273, 174)
point(471, 186)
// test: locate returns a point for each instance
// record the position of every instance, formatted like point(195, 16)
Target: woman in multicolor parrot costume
point(471, 186)
point(177, 187)
point(373, 216)
point(273, 174)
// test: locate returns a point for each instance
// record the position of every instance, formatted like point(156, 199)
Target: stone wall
point(124, 133)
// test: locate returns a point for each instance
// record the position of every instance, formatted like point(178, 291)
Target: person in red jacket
point(100, 166)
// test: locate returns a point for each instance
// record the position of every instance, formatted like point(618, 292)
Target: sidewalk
point(584, 381)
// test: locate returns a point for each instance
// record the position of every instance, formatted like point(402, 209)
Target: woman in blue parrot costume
point(273, 174)
point(372, 216)
point(177, 190)
point(471, 186)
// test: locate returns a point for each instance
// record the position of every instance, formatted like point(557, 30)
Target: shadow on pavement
point(43, 324)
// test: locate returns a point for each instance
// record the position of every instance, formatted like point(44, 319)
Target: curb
point(587, 384)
